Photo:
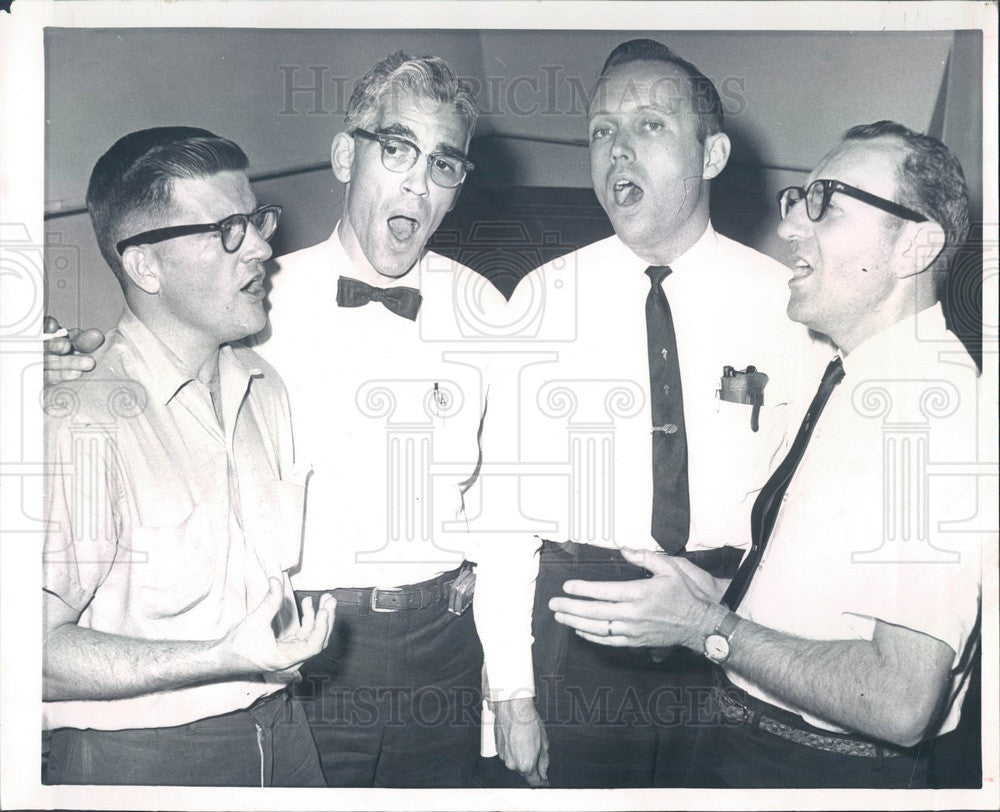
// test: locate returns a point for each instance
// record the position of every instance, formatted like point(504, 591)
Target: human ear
point(342, 156)
point(918, 246)
point(142, 268)
point(716, 155)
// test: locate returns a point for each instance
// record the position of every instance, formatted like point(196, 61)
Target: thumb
point(271, 603)
point(657, 563)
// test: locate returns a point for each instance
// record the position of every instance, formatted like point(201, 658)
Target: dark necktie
point(768, 502)
point(671, 502)
point(400, 300)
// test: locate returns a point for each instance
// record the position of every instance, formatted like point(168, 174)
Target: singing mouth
point(403, 228)
point(255, 287)
point(627, 193)
point(801, 270)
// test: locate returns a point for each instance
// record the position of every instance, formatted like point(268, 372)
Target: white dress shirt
point(581, 417)
point(162, 524)
point(881, 519)
point(386, 411)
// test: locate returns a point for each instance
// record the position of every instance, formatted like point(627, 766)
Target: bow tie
point(400, 300)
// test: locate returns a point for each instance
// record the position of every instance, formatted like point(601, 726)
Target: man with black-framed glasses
point(390, 424)
point(171, 632)
point(845, 641)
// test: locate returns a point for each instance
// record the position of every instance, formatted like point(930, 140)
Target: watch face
point(716, 647)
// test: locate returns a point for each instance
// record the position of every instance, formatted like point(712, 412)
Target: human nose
point(795, 222)
point(416, 179)
point(621, 146)
point(254, 247)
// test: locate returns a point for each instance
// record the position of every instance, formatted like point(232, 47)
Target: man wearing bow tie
point(846, 638)
point(390, 428)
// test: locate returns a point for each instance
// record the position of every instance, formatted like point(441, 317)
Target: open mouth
point(403, 228)
point(627, 193)
point(255, 287)
point(801, 270)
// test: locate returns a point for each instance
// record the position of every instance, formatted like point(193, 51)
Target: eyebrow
point(403, 131)
point(398, 129)
point(642, 108)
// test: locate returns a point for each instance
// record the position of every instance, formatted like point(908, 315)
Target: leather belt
point(396, 599)
point(721, 562)
point(735, 711)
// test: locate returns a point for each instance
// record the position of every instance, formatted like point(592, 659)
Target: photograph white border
point(22, 121)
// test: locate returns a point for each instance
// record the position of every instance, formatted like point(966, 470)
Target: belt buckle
point(375, 591)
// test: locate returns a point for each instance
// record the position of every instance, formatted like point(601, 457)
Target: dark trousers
point(395, 699)
point(730, 754)
point(266, 745)
point(614, 717)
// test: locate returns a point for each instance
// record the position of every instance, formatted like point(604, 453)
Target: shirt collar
point(691, 263)
point(342, 260)
point(698, 256)
point(874, 352)
point(160, 371)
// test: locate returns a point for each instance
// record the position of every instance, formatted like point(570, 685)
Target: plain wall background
point(788, 97)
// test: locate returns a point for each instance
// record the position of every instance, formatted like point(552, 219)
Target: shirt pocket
point(172, 566)
point(742, 455)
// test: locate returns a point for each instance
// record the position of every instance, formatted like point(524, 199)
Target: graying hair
point(426, 77)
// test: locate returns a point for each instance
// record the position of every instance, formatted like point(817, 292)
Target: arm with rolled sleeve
point(81, 548)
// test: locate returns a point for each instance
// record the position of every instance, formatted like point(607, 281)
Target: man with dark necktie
point(662, 340)
point(845, 639)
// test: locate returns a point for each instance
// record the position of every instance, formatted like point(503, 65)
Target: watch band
point(727, 625)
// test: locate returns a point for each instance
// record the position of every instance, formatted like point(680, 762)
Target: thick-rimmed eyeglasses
point(232, 230)
point(817, 196)
point(400, 155)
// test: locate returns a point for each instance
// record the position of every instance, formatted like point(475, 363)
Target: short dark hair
point(428, 77)
point(134, 179)
point(705, 99)
point(931, 181)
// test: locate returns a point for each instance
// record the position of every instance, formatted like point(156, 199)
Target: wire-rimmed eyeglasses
point(400, 155)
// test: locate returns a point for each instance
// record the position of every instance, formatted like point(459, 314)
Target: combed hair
point(399, 74)
point(931, 181)
point(134, 179)
point(705, 100)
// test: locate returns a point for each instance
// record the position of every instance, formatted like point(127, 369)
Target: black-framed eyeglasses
point(817, 196)
point(400, 155)
point(232, 230)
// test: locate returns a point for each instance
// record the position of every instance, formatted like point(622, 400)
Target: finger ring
point(609, 632)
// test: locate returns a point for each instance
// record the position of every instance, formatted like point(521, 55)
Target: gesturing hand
point(674, 607)
point(67, 357)
point(522, 743)
point(251, 645)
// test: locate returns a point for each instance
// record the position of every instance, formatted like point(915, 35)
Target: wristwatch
point(716, 645)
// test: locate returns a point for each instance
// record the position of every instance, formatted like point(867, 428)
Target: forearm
point(861, 685)
point(81, 663)
point(505, 587)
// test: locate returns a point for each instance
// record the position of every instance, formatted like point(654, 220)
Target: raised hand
point(252, 646)
point(671, 608)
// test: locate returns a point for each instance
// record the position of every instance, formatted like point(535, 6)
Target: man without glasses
point(845, 639)
point(171, 632)
point(685, 330)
